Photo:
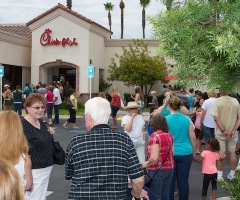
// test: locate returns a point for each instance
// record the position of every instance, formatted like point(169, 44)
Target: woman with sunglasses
point(133, 125)
point(40, 142)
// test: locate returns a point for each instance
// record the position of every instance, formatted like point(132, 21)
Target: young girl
point(209, 169)
point(199, 134)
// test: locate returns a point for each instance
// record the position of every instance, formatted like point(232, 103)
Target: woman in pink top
point(115, 105)
point(49, 96)
point(209, 168)
point(160, 157)
point(198, 129)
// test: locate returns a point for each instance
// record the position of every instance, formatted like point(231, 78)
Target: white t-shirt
point(137, 127)
point(57, 94)
point(208, 120)
point(20, 169)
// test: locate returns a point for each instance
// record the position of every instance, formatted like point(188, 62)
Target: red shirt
point(165, 142)
point(50, 96)
point(116, 100)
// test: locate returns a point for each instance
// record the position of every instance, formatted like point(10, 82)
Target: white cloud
point(19, 11)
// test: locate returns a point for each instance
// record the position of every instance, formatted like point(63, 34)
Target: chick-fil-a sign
point(47, 40)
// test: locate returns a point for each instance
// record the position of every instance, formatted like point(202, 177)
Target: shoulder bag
point(69, 104)
point(58, 153)
point(150, 179)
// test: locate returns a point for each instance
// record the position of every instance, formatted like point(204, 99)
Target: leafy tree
point(109, 7)
point(204, 38)
point(137, 66)
point(144, 4)
point(103, 85)
point(122, 6)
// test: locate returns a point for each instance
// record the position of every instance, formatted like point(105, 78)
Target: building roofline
point(60, 6)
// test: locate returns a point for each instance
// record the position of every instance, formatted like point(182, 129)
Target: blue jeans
point(56, 112)
point(161, 183)
point(18, 108)
point(72, 113)
point(182, 165)
point(208, 133)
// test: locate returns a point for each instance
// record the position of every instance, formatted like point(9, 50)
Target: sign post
point(1, 75)
point(90, 76)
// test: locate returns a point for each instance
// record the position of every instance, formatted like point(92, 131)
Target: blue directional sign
point(90, 71)
point(1, 71)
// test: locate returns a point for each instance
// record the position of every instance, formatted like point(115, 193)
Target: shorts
point(114, 111)
point(141, 108)
point(7, 102)
point(225, 144)
point(238, 132)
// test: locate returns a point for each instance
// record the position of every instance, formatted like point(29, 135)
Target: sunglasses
point(39, 107)
point(133, 108)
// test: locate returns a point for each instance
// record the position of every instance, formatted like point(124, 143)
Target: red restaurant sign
point(46, 40)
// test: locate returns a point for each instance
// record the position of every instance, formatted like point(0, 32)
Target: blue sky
point(22, 11)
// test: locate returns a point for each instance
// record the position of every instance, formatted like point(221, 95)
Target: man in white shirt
point(57, 103)
point(208, 123)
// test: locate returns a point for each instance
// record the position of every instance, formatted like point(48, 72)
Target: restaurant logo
point(47, 40)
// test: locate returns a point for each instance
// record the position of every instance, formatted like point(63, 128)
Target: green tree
point(144, 4)
point(204, 38)
point(122, 6)
point(109, 7)
point(137, 66)
point(103, 85)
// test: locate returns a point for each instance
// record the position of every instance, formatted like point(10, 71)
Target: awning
point(170, 78)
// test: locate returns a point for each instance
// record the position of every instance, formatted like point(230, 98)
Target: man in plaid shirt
point(100, 161)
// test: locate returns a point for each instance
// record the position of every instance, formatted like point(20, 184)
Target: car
point(183, 96)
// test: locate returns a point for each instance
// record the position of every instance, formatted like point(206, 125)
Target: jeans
point(182, 165)
point(161, 183)
point(18, 108)
point(49, 108)
point(208, 133)
point(72, 118)
point(56, 112)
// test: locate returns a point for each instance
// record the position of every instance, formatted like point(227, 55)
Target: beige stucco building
point(60, 44)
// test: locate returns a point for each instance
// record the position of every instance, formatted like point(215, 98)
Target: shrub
point(233, 187)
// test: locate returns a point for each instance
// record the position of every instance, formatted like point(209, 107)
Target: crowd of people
point(107, 163)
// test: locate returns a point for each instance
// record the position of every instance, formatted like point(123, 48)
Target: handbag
point(122, 104)
point(58, 153)
point(69, 104)
point(150, 179)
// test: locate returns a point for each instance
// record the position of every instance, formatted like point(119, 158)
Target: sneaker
point(230, 177)
point(220, 178)
point(238, 168)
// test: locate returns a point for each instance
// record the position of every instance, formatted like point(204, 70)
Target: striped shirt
point(99, 163)
point(165, 142)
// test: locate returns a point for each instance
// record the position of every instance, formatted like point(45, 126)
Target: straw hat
point(132, 104)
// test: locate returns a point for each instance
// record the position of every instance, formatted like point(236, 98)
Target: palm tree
point(144, 4)
point(109, 7)
point(122, 6)
point(69, 4)
point(167, 3)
